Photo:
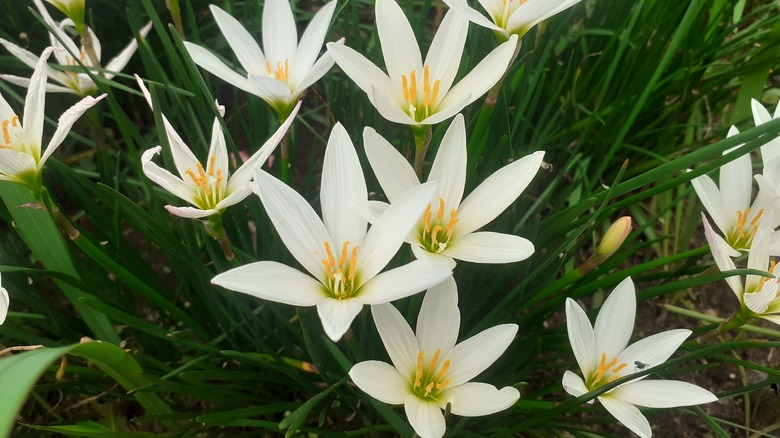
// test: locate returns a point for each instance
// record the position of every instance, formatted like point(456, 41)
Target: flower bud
point(613, 238)
point(73, 9)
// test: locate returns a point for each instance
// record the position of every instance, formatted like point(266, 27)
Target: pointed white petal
point(399, 46)
point(298, 225)
point(165, 179)
point(439, 320)
point(736, 182)
point(311, 43)
point(269, 89)
point(662, 394)
point(398, 338)
point(241, 42)
point(403, 281)
point(313, 74)
point(760, 114)
point(27, 57)
point(627, 414)
point(656, 349)
point(337, 315)
point(710, 197)
point(475, 399)
point(462, 7)
point(394, 173)
point(362, 71)
point(424, 416)
point(217, 150)
point(66, 121)
point(280, 35)
point(190, 212)
point(475, 354)
point(534, 12)
point(573, 384)
point(14, 163)
point(238, 195)
point(381, 381)
point(4, 303)
point(273, 281)
point(421, 253)
point(496, 193)
point(34, 103)
point(489, 247)
point(615, 320)
point(120, 61)
point(581, 337)
point(758, 302)
point(720, 252)
point(343, 189)
point(449, 166)
point(213, 65)
point(25, 82)
point(446, 50)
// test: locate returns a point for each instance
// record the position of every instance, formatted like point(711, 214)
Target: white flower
point(210, 188)
point(447, 228)
point(429, 371)
point(286, 69)
point(4, 303)
point(73, 9)
point(511, 17)
point(72, 82)
point(413, 92)
point(21, 160)
point(343, 261)
point(771, 150)
point(603, 357)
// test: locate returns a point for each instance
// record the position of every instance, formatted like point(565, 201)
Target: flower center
point(509, 8)
point(429, 94)
point(282, 71)
point(606, 372)
point(12, 132)
point(341, 274)
point(428, 383)
point(741, 236)
point(209, 184)
point(436, 233)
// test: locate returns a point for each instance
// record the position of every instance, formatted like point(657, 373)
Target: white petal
point(399, 46)
point(25, 82)
point(241, 42)
point(362, 71)
point(34, 103)
point(496, 193)
point(238, 195)
point(489, 247)
point(421, 253)
point(424, 416)
point(218, 150)
point(403, 281)
point(533, 12)
point(27, 57)
point(382, 99)
point(66, 121)
point(216, 67)
point(439, 320)
point(280, 35)
point(398, 338)
point(475, 399)
point(475, 354)
point(313, 74)
point(311, 43)
point(381, 381)
point(581, 337)
point(627, 414)
point(270, 89)
point(446, 50)
point(615, 320)
point(760, 114)
point(656, 349)
point(662, 394)
point(273, 281)
point(736, 182)
point(720, 253)
point(120, 61)
point(190, 212)
point(343, 189)
point(4, 303)
point(573, 384)
point(462, 7)
point(14, 163)
point(394, 173)
point(758, 302)
point(449, 166)
point(298, 225)
point(165, 179)
point(337, 315)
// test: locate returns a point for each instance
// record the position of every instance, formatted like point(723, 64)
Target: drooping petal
point(662, 394)
point(496, 193)
point(720, 253)
point(615, 320)
point(403, 281)
point(343, 189)
point(581, 337)
point(66, 121)
point(119, 62)
point(446, 50)
point(655, 349)
point(627, 414)
point(165, 179)
point(573, 384)
point(399, 45)
point(311, 43)
point(241, 42)
point(215, 66)
point(394, 173)
point(473, 399)
point(190, 212)
point(489, 247)
point(439, 320)
point(296, 222)
point(280, 35)
point(381, 381)
point(424, 416)
point(478, 352)
point(34, 104)
point(273, 281)
point(449, 166)
point(337, 315)
point(398, 338)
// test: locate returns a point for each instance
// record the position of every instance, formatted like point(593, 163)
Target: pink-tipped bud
point(613, 238)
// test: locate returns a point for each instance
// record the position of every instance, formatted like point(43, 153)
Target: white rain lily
point(21, 160)
point(429, 370)
point(416, 93)
point(771, 150)
point(287, 67)
point(769, 179)
point(210, 188)
point(511, 17)
point(447, 229)
point(72, 82)
point(4, 303)
point(343, 261)
point(603, 357)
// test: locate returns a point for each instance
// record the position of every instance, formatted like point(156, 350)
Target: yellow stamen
point(268, 67)
point(331, 260)
point(413, 85)
point(444, 368)
point(434, 234)
point(434, 359)
point(14, 120)
point(758, 216)
point(344, 250)
point(211, 165)
point(453, 221)
point(443, 384)
point(219, 178)
point(353, 263)
point(427, 218)
point(440, 212)
point(192, 175)
point(418, 374)
point(6, 135)
point(429, 388)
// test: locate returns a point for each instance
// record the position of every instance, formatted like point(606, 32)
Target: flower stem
point(173, 8)
point(422, 138)
point(217, 231)
point(89, 47)
point(63, 223)
point(492, 97)
point(736, 320)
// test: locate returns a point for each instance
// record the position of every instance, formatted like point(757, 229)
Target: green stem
point(422, 139)
point(89, 47)
point(217, 231)
point(736, 320)
point(173, 8)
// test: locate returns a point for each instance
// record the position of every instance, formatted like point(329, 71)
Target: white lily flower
point(286, 69)
point(21, 160)
point(429, 370)
point(447, 229)
point(511, 17)
point(4, 303)
point(71, 82)
point(343, 261)
point(210, 188)
point(771, 150)
point(416, 93)
point(603, 357)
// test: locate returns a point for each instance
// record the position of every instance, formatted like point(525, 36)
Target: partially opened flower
point(4, 303)
point(72, 82)
point(73, 9)
point(447, 229)
point(287, 67)
point(511, 17)
point(343, 261)
point(210, 188)
point(429, 370)
point(603, 355)
point(414, 92)
point(21, 159)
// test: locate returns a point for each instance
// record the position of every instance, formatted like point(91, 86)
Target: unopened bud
point(74, 9)
point(613, 238)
